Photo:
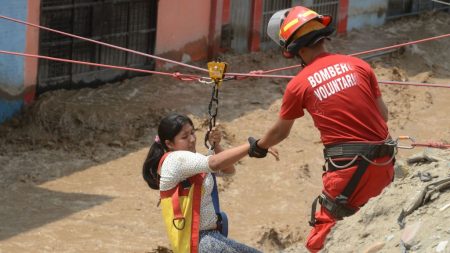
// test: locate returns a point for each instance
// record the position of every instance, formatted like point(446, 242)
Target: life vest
point(181, 212)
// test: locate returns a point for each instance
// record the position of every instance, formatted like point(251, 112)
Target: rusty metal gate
point(324, 7)
point(125, 23)
point(401, 8)
point(269, 8)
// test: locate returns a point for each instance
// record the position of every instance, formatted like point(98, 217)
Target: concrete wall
point(13, 38)
point(363, 13)
point(183, 29)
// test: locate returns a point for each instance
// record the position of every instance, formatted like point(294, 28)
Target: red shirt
point(340, 92)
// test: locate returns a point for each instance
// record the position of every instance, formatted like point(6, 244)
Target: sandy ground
point(71, 163)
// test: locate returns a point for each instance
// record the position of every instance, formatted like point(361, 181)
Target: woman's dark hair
point(168, 128)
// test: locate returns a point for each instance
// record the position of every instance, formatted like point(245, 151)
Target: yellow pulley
point(217, 71)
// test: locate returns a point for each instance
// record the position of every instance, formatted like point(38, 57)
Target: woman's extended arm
point(225, 160)
point(215, 137)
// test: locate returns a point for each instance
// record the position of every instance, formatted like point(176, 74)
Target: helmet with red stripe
point(298, 27)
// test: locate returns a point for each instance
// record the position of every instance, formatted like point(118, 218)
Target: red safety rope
point(440, 145)
point(258, 73)
point(255, 74)
point(417, 84)
point(183, 77)
point(402, 44)
point(401, 139)
point(190, 77)
point(103, 43)
point(364, 52)
point(240, 76)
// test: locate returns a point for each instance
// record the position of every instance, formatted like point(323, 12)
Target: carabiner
point(403, 137)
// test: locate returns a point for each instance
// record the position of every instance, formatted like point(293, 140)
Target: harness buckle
point(337, 208)
point(341, 199)
point(326, 203)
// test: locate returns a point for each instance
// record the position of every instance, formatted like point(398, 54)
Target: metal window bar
point(327, 7)
point(269, 8)
point(127, 23)
point(240, 23)
point(402, 8)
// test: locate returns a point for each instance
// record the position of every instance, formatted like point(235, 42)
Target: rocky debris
point(426, 227)
point(375, 227)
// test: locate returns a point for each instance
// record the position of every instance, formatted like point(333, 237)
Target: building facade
point(180, 30)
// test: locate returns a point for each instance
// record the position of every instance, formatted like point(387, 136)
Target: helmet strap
point(302, 62)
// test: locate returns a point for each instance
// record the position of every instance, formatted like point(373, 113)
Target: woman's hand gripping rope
point(215, 136)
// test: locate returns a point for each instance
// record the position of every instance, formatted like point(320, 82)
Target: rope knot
point(257, 72)
point(176, 75)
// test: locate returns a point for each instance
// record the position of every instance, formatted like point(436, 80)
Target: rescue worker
point(342, 96)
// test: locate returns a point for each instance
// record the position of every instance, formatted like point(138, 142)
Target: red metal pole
point(32, 47)
point(215, 25)
point(226, 12)
point(255, 26)
point(342, 16)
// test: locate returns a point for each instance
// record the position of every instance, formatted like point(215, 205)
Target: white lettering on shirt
point(327, 73)
point(312, 81)
point(335, 86)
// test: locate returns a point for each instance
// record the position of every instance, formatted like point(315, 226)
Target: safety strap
point(346, 150)
point(312, 221)
point(215, 195)
point(222, 219)
point(161, 161)
point(182, 189)
point(195, 225)
point(353, 183)
point(337, 210)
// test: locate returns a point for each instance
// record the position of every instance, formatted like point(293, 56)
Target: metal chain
point(213, 108)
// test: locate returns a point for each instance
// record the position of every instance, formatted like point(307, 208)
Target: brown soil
point(71, 163)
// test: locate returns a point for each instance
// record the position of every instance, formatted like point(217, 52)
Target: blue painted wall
point(12, 38)
point(363, 13)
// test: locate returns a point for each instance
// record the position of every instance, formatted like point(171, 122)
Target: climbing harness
point(217, 71)
point(180, 208)
point(181, 211)
point(360, 154)
point(342, 156)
